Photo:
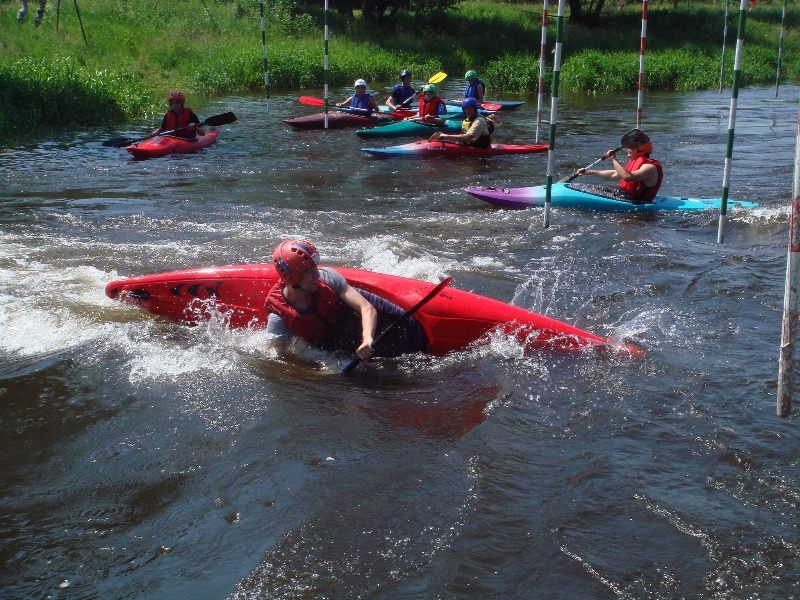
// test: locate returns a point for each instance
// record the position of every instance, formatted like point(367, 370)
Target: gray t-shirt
point(276, 327)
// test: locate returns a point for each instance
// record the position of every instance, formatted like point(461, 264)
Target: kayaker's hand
point(610, 154)
point(581, 172)
point(365, 351)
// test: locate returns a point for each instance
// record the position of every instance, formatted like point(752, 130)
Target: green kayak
point(409, 129)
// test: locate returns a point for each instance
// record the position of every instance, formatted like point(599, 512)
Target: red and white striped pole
point(542, 55)
point(642, 49)
point(790, 298)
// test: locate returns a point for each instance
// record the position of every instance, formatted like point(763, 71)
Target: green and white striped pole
point(551, 144)
point(264, 52)
point(791, 297)
point(326, 64)
point(724, 44)
point(780, 51)
point(737, 75)
point(542, 57)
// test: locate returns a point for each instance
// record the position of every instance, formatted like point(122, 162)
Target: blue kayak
point(592, 197)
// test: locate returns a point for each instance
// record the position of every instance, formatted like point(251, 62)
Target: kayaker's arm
point(369, 320)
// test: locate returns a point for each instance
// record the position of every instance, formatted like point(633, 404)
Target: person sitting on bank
point(475, 127)
point(180, 117)
point(431, 107)
point(402, 91)
point(640, 179)
point(361, 100)
point(475, 86)
point(319, 306)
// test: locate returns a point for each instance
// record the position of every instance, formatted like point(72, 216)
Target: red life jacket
point(173, 121)
point(637, 189)
point(315, 326)
point(430, 109)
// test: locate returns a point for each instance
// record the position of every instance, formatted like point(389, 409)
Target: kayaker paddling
point(181, 117)
point(320, 307)
point(640, 179)
point(361, 100)
point(402, 91)
point(431, 107)
point(476, 130)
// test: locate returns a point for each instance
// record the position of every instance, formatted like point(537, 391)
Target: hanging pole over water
point(83, 31)
point(780, 51)
point(790, 298)
point(642, 48)
point(551, 144)
point(264, 52)
point(326, 64)
point(737, 75)
point(724, 43)
point(542, 55)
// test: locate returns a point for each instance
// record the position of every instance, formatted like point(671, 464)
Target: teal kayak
point(409, 128)
point(592, 197)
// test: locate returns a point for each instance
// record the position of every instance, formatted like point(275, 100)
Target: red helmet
point(177, 96)
point(292, 257)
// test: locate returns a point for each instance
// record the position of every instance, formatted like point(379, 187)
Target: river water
point(145, 459)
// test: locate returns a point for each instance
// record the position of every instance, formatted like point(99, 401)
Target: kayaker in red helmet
point(640, 179)
point(361, 99)
point(320, 307)
point(475, 127)
point(180, 117)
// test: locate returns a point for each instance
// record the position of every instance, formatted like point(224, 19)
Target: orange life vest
point(318, 325)
point(174, 121)
point(637, 189)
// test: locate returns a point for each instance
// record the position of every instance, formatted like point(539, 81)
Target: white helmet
point(360, 82)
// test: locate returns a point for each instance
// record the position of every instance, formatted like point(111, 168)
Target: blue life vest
point(472, 89)
point(362, 102)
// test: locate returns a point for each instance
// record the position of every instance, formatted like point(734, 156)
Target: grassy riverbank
point(139, 49)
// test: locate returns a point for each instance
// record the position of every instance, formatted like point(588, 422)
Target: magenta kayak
point(336, 120)
point(163, 145)
point(448, 149)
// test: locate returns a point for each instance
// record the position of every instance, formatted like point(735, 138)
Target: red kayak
point(337, 120)
point(162, 145)
point(452, 320)
point(436, 148)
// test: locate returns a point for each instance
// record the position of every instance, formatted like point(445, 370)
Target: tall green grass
point(139, 49)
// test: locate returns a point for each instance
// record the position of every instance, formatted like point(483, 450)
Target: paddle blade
point(438, 77)
point(435, 136)
point(491, 106)
point(311, 101)
point(223, 119)
point(119, 142)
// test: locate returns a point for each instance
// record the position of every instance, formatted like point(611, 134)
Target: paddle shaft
point(599, 160)
point(214, 121)
point(355, 362)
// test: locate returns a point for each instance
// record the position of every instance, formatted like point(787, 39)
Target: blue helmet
point(469, 102)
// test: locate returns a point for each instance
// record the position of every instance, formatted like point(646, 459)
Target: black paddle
point(632, 139)
point(213, 121)
point(354, 363)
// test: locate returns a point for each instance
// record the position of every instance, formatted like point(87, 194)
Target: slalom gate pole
point(58, 13)
point(542, 56)
point(326, 64)
point(790, 298)
point(264, 52)
point(737, 75)
point(551, 144)
point(642, 48)
point(83, 31)
point(724, 43)
point(780, 51)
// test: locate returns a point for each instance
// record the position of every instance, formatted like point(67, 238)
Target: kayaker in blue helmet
point(361, 99)
point(640, 179)
point(179, 116)
point(475, 127)
point(319, 306)
point(475, 86)
point(402, 91)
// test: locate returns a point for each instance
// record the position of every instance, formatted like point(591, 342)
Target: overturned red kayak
point(337, 120)
point(436, 148)
point(163, 145)
point(452, 320)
